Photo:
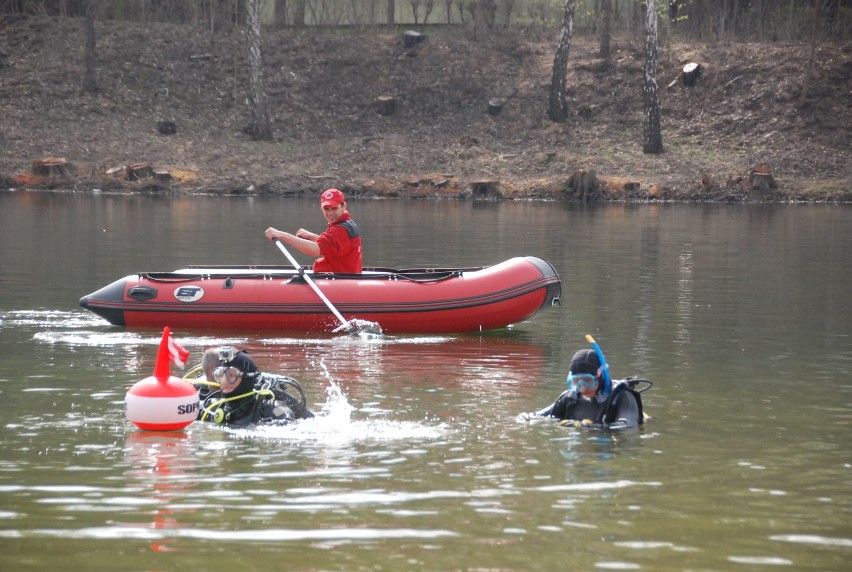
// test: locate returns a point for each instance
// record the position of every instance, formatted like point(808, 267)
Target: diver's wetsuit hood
point(587, 361)
point(244, 363)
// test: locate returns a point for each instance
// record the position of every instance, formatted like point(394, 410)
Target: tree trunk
point(390, 12)
point(90, 74)
point(605, 29)
point(803, 97)
point(478, 7)
point(735, 17)
point(385, 105)
point(260, 128)
point(299, 13)
point(653, 142)
point(557, 107)
point(280, 13)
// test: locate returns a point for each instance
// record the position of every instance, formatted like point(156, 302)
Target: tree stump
point(54, 167)
point(166, 127)
point(584, 184)
point(691, 72)
point(139, 171)
point(410, 38)
point(760, 178)
point(495, 106)
point(385, 105)
point(484, 187)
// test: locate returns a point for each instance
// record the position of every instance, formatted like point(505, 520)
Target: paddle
point(346, 325)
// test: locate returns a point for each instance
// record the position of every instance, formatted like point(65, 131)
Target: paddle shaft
point(315, 288)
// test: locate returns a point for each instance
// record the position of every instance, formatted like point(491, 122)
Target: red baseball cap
point(332, 198)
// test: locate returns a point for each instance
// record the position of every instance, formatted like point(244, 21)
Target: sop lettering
point(191, 408)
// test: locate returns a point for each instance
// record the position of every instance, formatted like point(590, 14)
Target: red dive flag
point(178, 355)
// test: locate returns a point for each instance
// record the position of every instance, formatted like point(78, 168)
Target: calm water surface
point(741, 315)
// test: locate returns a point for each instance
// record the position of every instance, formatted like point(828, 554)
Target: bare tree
point(803, 96)
point(653, 138)
point(506, 9)
point(605, 29)
point(90, 74)
point(260, 129)
point(299, 12)
point(557, 107)
point(429, 5)
point(280, 13)
point(390, 12)
point(489, 12)
point(476, 8)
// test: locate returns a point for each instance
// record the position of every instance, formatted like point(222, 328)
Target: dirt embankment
point(441, 141)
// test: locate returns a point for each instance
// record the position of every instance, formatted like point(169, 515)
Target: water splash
point(334, 424)
point(361, 328)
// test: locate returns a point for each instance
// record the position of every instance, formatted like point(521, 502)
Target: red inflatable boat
point(442, 300)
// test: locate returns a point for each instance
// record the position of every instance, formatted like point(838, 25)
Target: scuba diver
point(234, 392)
point(592, 399)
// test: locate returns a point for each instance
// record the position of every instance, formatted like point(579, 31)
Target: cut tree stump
point(760, 178)
point(410, 38)
point(433, 179)
point(584, 183)
point(139, 171)
point(691, 73)
point(385, 105)
point(495, 106)
point(166, 127)
point(54, 167)
point(484, 187)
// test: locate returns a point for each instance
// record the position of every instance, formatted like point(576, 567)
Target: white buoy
point(163, 402)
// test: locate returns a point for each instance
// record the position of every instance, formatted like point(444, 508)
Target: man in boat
point(592, 399)
point(339, 247)
point(235, 392)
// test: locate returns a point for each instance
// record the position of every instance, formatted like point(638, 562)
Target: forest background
point(158, 96)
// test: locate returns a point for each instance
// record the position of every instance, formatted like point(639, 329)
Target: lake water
point(741, 315)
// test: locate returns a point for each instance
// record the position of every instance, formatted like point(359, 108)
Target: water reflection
point(162, 464)
point(740, 315)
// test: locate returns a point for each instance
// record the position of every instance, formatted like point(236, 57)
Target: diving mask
point(579, 381)
point(226, 376)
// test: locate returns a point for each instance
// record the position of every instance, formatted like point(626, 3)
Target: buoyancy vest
point(606, 413)
point(269, 401)
point(627, 385)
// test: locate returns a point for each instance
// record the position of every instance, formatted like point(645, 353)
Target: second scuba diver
point(593, 399)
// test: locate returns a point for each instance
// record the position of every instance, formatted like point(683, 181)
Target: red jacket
point(340, 246)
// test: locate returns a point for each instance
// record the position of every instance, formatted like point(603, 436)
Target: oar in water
point(354, 326)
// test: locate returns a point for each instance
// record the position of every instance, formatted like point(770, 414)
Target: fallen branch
point(733, 80)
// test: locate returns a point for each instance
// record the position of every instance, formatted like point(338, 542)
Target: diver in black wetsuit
point(237, 393)
point(591, 400)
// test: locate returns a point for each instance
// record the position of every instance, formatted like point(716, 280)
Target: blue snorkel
point(607, 387)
